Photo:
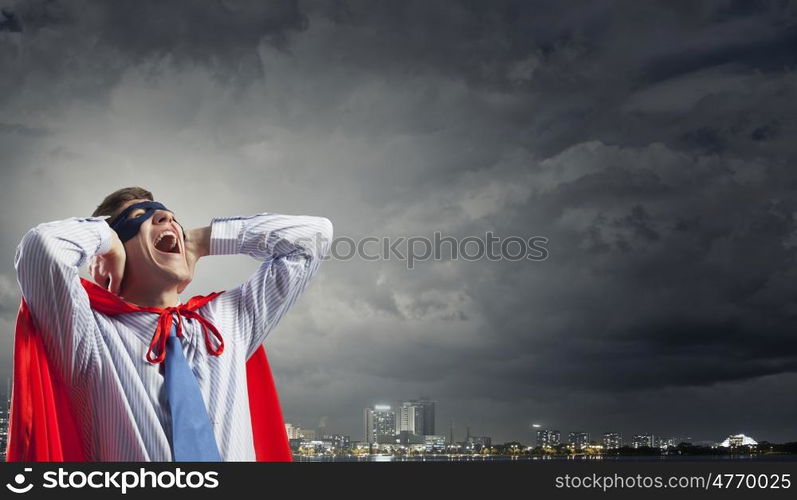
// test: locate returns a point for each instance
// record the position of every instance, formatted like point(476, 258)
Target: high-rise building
point(579, 440)
point(294, 432)
point(612, 440)
point(548, 438)
point(411, 418)
point(428, 415)
point(418, 416)
point(380, 424)
point(643, 441)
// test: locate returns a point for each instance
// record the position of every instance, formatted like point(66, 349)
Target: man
point(119, 368)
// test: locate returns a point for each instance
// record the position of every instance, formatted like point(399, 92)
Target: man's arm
point(47, 261)
point(291, 248)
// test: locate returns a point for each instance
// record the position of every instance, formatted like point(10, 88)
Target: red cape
point(42, 426)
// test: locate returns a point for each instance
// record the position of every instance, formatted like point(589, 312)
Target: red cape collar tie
point(112, 304)
point(165, 321)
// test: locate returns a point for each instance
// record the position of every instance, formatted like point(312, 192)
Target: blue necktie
point(192, 434)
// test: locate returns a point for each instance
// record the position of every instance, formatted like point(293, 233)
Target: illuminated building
point(380, 424)
point(435, 443)
point(612, 440)
point(738, 440)
point(293, 432)
point(547, 437)
point(666, 442)
point(643, 441)
point(339, 441)
point(578, 440)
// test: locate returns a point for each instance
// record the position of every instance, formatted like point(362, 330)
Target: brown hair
point(110, 205)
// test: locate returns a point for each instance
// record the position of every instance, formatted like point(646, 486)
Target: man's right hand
point(108, 269)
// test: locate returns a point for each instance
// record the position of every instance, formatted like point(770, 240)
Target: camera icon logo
point(19, 479)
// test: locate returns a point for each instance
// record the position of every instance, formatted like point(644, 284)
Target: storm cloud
point(651, 143)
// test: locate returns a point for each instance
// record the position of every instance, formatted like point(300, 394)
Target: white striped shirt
point(119, 397)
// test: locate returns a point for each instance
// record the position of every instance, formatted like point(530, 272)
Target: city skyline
point(626, 438)
point(578, 439)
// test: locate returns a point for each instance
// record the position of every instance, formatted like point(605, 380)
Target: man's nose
point(162, 217)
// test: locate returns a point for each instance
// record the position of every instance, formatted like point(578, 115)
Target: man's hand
point(108, 269)
point(197, 244)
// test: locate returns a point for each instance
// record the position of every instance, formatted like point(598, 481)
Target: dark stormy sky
point(649, 142)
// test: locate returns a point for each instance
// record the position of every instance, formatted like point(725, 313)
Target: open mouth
point(166, 242)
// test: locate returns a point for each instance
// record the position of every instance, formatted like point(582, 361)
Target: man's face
point(157, 253)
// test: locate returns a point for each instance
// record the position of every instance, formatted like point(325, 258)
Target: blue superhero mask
point(127, 228)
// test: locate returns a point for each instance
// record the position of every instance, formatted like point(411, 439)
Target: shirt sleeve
point(47, 261)
point(291, 247)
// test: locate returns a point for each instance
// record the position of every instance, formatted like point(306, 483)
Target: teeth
point(163, 234)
